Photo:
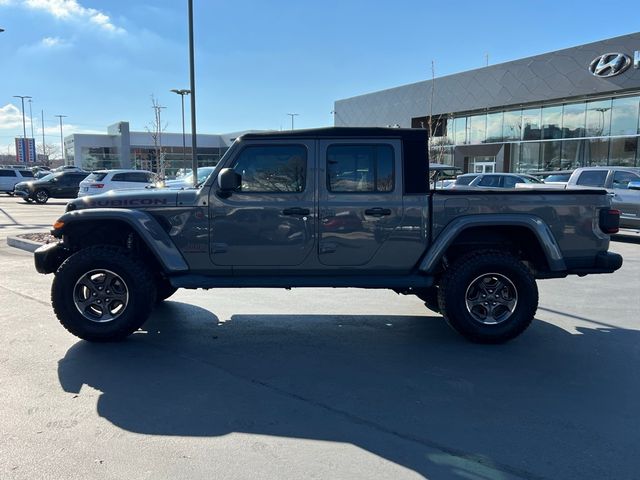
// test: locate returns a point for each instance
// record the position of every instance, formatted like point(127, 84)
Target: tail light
point(97, 185)
point(609, 220)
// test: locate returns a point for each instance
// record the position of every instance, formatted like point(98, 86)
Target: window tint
point(593, 178)
point(622, 179)
point(7, 173)
point(119, 177)
point(465, 179)
point(510, 182)
point(274, 168)
point(26, 173)
point(360, 168)
point(489, 181)
point(96, 177)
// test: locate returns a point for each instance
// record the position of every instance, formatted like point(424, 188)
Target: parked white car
point(102, 181)
point(9, 177)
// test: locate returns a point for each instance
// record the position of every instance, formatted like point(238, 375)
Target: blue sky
point(100, 61)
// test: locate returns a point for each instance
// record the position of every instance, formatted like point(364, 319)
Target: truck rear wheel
point(102, 294)
point(488, 296)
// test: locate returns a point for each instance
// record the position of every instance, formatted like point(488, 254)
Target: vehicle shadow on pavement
point(550, 404)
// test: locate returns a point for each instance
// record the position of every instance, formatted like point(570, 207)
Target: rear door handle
point(377, 212)
point(296, 211)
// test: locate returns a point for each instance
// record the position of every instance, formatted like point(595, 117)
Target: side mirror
point(635, 185)
point(228, 181)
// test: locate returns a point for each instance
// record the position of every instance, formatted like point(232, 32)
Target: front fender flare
point(149, 230)
point(533, 223)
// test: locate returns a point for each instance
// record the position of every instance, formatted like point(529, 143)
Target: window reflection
point(460, 130)
point(597, 154)
point(573, 119)
point(624, 116)
point(531, 124)
point(598, 118)
point(477, 128)
point(494, 127)
point(622, 151)
point(512, 125)
point(552, 122)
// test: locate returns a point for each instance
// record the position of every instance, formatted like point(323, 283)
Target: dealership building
point(121, 148)
point(574, 107)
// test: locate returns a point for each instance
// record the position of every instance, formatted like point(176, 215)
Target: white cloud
point(71, 10)
point(53, 42)
point(10, 117)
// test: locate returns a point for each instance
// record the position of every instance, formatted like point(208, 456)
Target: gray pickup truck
point(334, 207)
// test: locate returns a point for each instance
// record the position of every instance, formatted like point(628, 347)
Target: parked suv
point(55, 185)
point(102, 181)
point(10, 176)
point(616, 180)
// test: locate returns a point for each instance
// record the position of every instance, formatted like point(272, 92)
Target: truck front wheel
point(488, 296)
point(102, 294)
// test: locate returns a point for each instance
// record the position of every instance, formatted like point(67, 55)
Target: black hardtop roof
point(335, 132)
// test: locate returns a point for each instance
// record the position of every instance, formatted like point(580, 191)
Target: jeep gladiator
point(332, 207)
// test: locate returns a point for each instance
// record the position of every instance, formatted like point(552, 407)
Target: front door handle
point(377, 212)
point(296, 211)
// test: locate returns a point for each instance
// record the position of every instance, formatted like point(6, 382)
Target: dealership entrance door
point(482, 164)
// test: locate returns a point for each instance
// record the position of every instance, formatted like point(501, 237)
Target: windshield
point(528, 179)
point(558, 178)
point(48, 177)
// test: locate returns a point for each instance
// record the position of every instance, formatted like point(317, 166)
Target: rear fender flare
point(533, 223)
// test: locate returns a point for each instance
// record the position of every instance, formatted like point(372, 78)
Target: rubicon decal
point(135, 202)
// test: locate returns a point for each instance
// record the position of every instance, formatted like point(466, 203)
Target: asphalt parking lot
point(318, 383)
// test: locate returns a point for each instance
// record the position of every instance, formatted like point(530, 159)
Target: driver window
point(622, 179)
point(272, 169)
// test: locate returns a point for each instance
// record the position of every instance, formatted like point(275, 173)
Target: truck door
point(271, 220)
point(360, 199)
point(624, 199)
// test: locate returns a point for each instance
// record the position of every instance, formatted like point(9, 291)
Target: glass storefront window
point(622, 151)
point(550, 155)
point(531, 124)
point(529, 157)
point(512, 125)
point(460, 130)
point(573, 152)
point(494, 127)
point(477, 128)
point(597, 153)
point(552, 122)
point(624, 116)
point(573, 118)
point(598, 118)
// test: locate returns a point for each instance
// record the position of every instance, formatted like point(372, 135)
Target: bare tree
point(155, 129)
point(437, 145)
point(46, 152)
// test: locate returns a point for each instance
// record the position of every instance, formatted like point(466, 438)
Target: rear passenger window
point(489, 181)
point(360, 168)
point(594, 178)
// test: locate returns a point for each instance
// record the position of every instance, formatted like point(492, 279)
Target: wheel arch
point(527, 236)
point(131, 229)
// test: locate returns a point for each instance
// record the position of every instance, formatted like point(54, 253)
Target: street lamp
point(64, 156)
point(182, 92)
point(24, 125)
point(292, 115)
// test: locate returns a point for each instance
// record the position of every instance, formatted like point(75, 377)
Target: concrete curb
point(23, 244)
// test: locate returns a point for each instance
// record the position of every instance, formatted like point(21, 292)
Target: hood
point(135, 199)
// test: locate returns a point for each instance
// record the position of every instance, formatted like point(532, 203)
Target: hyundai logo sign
point(609, 64)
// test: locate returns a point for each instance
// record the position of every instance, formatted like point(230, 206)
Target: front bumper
point(49, 257)
point(21, 193)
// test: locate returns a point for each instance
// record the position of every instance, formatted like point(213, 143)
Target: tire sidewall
point(141, 297)
point(37, 199)
point(454, 296)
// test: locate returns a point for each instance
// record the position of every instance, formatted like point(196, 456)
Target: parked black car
point(56, 185)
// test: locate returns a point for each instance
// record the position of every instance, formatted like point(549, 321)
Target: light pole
point(44, 145)
point(64, 156)
point(182, 92)
point(192, 87)
point(292, 115)
point(31, 119)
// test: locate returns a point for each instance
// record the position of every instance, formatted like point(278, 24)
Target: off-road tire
point(430, 298)
point(41, 196)
point(457, 287)
point(164, 289)
point(138, 283)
